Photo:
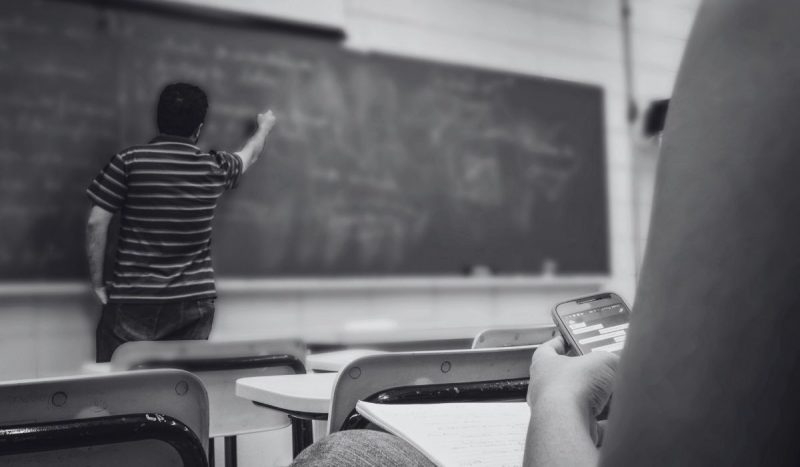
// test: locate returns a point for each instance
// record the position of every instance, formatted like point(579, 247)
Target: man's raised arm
point(255, 145)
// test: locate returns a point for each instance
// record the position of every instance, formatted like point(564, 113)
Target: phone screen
point(599, 329)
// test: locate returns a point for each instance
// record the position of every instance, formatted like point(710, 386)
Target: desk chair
point(429, 377)
point(513, 337)
point(153, 418)
point(219, 365)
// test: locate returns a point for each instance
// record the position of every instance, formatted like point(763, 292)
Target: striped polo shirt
point(166, 192)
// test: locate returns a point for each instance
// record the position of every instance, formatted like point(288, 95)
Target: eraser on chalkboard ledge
point(549, 267)
point(477, 270)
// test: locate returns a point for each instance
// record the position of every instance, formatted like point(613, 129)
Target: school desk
point(303, 397)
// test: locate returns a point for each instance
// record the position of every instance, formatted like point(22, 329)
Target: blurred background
point(438, 166)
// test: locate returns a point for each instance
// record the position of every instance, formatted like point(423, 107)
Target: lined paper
point(458, 434)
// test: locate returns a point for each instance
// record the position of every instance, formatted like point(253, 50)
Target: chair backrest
point(512, 337)
point(219, 365)
point(375, 374)
point(81, 415)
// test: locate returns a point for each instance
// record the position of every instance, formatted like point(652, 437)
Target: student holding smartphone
point(711, 364)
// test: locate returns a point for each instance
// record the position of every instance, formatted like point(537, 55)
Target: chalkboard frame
point(220, 15)
point(303, 283)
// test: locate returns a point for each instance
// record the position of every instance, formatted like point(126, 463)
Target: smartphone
point(593, 323)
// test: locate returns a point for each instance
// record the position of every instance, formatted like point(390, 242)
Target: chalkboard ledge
point(240, 285)
point(410, 283)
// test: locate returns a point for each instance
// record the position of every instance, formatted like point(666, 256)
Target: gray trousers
point(361, 448)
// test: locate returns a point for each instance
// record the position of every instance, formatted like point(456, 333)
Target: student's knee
point(359, 448)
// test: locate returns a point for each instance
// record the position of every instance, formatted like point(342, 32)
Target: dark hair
point(181, 109)
point(656, 117)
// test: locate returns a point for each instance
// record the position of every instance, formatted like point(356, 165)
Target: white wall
point(660, 30)
point(578, 40)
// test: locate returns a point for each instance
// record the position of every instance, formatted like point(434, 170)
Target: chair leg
point(302, 434)
point(230, 451)
point(211, 458)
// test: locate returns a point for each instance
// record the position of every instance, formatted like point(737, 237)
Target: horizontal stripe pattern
point(166, 193)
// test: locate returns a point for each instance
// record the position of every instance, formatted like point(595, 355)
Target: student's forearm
point(559, 434)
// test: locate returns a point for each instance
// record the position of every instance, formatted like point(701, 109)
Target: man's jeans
point(126, 322)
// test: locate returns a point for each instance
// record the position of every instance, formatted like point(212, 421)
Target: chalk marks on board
point(477, 130)
point(378, 234)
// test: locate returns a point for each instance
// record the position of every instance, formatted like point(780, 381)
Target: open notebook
point(458, 434)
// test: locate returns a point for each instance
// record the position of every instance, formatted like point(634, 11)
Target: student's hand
point(266, 120)
point(100, 292)
point(586, 380)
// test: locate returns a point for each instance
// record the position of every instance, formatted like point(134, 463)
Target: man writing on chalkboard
point(162, 285)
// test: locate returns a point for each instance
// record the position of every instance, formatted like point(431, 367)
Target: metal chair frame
point(211, 364)
point(97, 431)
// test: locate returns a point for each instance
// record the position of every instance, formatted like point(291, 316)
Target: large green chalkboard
point(379, 164)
